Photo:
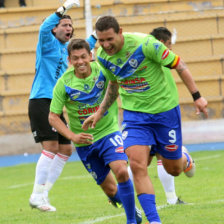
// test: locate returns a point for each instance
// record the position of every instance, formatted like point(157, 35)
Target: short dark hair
point(161, 33)
point(65, 17)
point(106, 22)
point(76, 44)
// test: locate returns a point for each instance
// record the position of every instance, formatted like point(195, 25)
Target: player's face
point(110, 41)
point(167, 43)
point(63, 30)
point(80, 59)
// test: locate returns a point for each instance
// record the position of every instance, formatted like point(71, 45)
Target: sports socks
point(167, 181)
point(125, 196)
point(55, 170)
point(148, 204)
point(42, 170)
point(126, 192)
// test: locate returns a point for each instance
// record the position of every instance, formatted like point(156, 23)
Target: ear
point(54, 29)
point(120, 31)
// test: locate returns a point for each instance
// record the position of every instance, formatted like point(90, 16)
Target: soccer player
point(151, 117)
point(164, 35)
point(51, 63)
point(81, 89)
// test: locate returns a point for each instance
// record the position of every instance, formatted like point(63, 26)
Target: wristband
point(196, 95)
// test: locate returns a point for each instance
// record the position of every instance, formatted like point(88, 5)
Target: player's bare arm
point(110, 96)
point(58, 124)
point(185, 74)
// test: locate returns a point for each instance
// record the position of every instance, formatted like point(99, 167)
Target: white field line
point(62, 178)
point(100, 219)
point(88, 176)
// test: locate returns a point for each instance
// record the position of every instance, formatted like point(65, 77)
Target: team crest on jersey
point(171, 148)
point(165, 54)
point(100, 84)
point(133, 63)
point(120, 149)
point(124, 135)
point(75, 95)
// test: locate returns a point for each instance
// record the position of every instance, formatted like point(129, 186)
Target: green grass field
point(79, 200)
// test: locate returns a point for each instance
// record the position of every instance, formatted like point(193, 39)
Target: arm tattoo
point(181, 67)
point(111, 96)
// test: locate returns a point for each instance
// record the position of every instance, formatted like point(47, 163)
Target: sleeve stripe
point(175, 61)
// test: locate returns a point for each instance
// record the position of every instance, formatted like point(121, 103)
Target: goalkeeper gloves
point(67, 5)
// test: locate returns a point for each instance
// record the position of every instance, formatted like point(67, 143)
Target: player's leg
point(57, 166)
point(117, 160)
point(43, 133)
point(138, 158)
point(167, 181)
point(137, 137)
point(37, 198)
point(169, 144)
point(59, 161)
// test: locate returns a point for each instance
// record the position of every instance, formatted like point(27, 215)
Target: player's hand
point(82, 138)
point(67, 5)
point(201, 106)
point(91, 121)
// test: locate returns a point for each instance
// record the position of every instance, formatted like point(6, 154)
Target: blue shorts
point(97, 156)
point(162, 131)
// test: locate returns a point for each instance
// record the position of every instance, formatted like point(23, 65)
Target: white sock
point(130, 173)
point(167, 181)
point(55, 171)
point(42, 170)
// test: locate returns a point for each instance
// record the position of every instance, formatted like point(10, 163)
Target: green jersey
point(81, 98)
point(138, 69)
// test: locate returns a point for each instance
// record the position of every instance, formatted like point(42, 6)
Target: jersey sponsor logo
point(120, 149)
point(133, 63)
point(134, 85)
point(171, 148)
point(75, 95)
point(89, 110)
point(156, 46)
point(165, 54)
point(112, 68)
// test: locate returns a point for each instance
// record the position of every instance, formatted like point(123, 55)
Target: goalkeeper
point(51, 63)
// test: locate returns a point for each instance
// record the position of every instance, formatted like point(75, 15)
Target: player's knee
point(122, 174)
point(138, 169)
point(174, 171)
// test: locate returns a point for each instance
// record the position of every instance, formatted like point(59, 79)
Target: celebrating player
point(81, 89)
point(134, 63)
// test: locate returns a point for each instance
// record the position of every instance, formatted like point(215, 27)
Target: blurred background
point(198, 24)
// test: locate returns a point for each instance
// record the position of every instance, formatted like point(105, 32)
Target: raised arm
point(110, 97)
point(199, 101)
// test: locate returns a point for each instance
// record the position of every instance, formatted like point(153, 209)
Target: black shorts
point(38, 112)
